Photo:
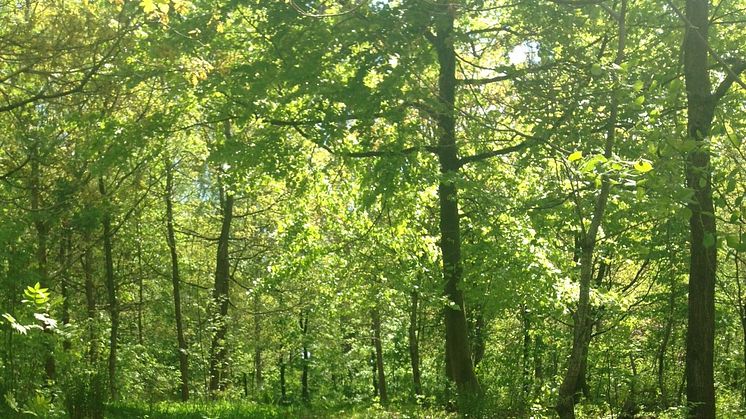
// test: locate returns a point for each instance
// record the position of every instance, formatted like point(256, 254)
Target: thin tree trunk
point(741, 306)
point(538, 365)
point(663, 348)
point(459, 365)
point(377, 344)
point(140, 286)
point(414, 344)
point(700, 338)
point(582, 321)
point(220, 296)
point(65, 245)
point(176, 283)
point(478, 333)
point(283, 383)
point(42, 234)
point(90, 302)
point(258, 373)
point(374, 379)
point(305, 394)
point(112, 294)
point(526, 356)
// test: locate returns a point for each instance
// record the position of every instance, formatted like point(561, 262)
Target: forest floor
point(249, 410)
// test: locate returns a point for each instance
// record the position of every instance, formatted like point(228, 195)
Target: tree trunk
point(90, 303)
point(741, 306)
point(478, 334)
point(700, 338)
point(176, 283)
point(258, 374)
point(42, 234)
point(538, 365)
point(459, 366)
point(374, 379)
point(414, 344)
point(305, 394)
point(140, 290)
point(65, 248)
point(220, 297)
point(663, 348)
point(582, 322)
point(283, 385)
point(112, 293)
point(377, 344)
point(526, 356)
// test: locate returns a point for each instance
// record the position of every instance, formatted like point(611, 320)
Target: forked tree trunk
point(220, 294)
point(574, 377)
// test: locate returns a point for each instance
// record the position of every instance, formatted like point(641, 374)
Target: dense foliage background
point(411, 208)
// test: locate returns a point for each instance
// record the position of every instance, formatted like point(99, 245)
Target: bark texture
point(176, 283)
point(459, 365)
point(700, 338)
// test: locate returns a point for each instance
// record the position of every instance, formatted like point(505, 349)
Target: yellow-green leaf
point(575, 156)
point(643, 166)
point(148, 6)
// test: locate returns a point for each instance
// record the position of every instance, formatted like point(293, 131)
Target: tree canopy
point(373, 208)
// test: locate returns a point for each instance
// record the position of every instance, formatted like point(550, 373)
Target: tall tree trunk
point(478, 333)
point(111, 289)
point(42, 235)
point(459, 366)
point(526, 356)
point(140, 290)
point(377, 344)
point(65, 247)
point(538, 365)
point(741, 306)
point(414, 344)
point(374, 377)
point(663, 348)
point(220, 297)
point(90, 303)
point(283, 382)
point(258, 373)
point(306, 358)
point(700, 337)
point(582, 321)
point(176, 283)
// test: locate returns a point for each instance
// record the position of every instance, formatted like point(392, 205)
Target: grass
point(251, 410)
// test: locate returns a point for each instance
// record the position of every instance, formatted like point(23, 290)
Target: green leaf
point(596, 70)
point(643, 166)
point(734, 242)
point(575, 156)
point(591, 164)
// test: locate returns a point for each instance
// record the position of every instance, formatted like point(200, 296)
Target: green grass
point(250, 410)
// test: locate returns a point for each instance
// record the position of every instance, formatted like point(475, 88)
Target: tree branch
point(531, 140)
point(733, 77)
